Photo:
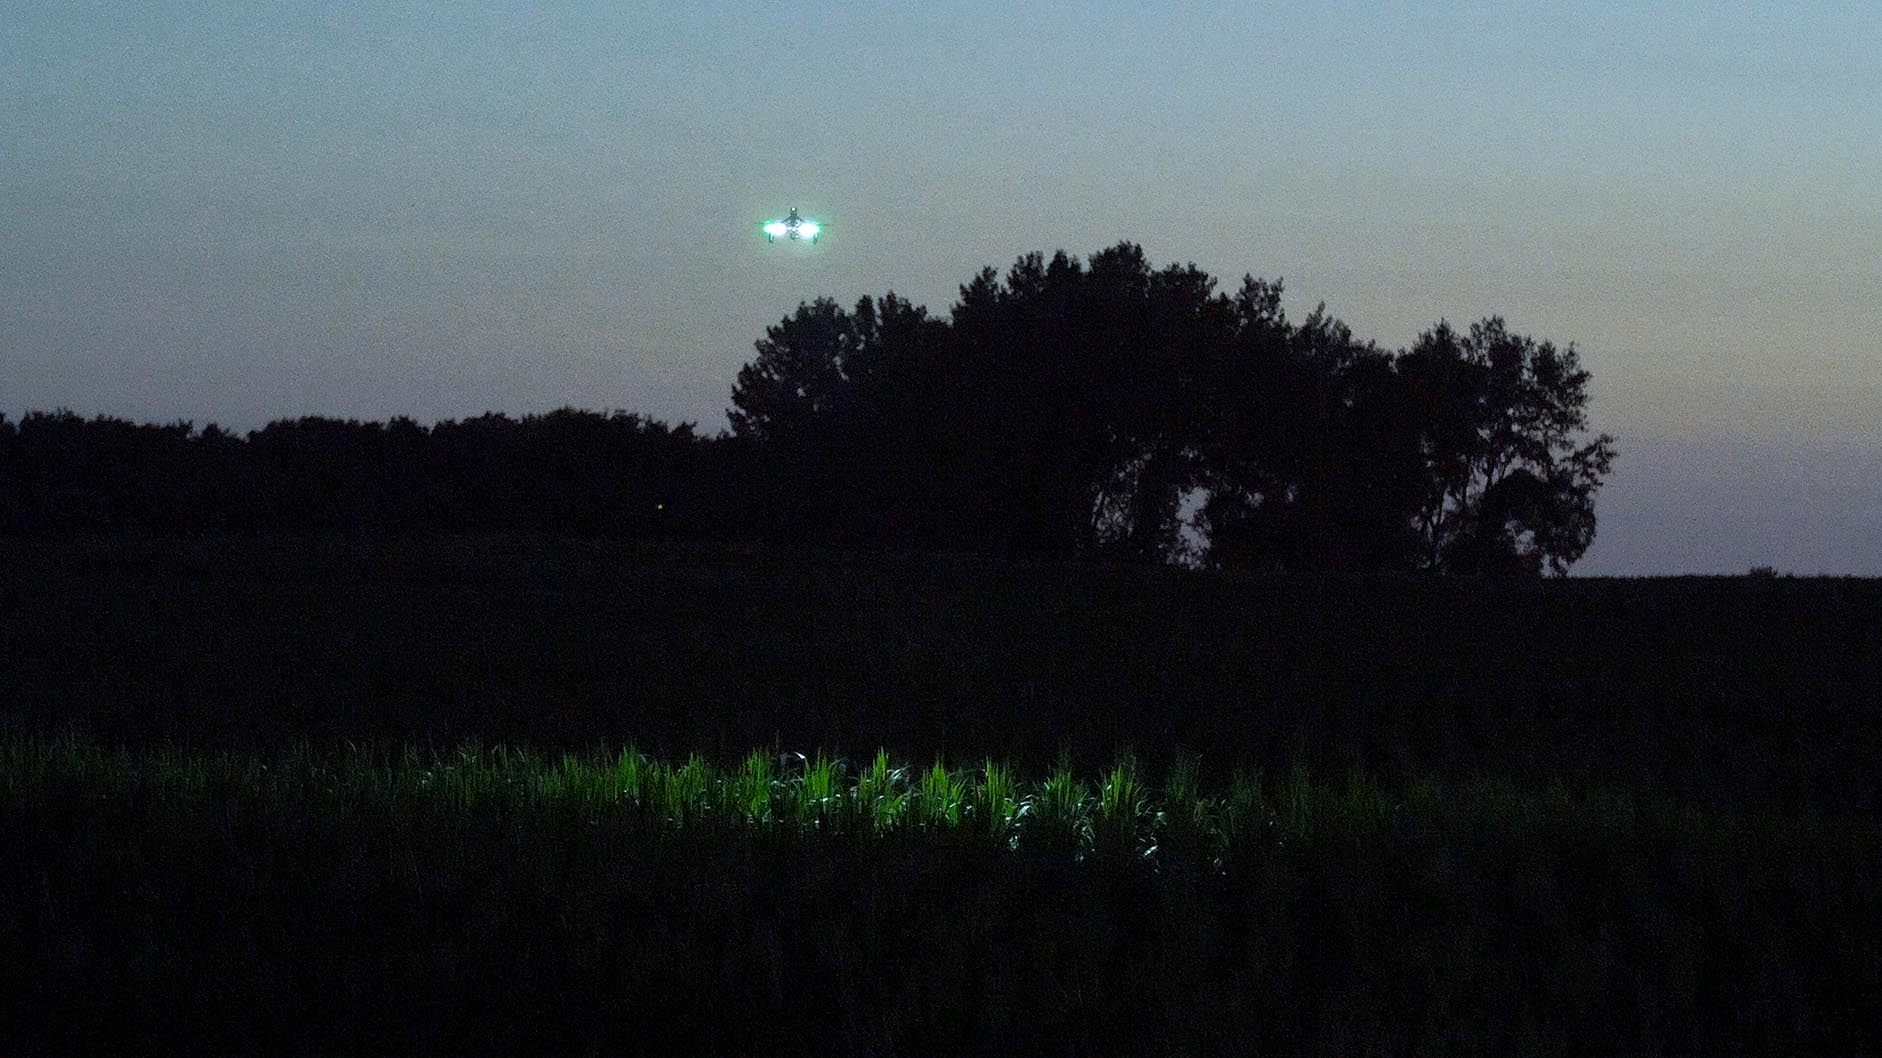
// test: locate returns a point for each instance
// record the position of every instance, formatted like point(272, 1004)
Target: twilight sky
point(237, 210)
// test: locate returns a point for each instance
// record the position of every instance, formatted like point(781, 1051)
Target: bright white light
point(775, 228)
point(808, 229)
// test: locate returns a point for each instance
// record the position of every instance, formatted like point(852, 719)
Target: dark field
point(474, 902)
point(1726, 690)
point(1432, 816)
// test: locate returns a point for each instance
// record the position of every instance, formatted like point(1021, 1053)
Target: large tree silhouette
point(1071, 408)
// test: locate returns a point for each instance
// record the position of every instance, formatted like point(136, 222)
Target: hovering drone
point(793, 227)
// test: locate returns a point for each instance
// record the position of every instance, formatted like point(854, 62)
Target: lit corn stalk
point(748, 794)
point(1116, 823)
point(996, 804)
point(814, 795)
point(879, 801)
point(1244, 819)
point(1055, 816)
point(679, 794)
point(630, 778)
point(942, 797)
point(1183, 824)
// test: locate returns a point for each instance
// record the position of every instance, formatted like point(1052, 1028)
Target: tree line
point(1100, 408)
point(570, 471)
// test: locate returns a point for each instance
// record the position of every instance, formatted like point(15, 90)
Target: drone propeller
point(793, 226)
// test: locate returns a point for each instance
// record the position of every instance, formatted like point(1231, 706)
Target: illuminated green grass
point(1119, 814)
point(489, 899)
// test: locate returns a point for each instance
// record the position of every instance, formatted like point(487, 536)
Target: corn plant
point(679, 795)
point(879, 800)
point(1056, 817)
point(1118, 817)
point(629, 777)
point(996, 804)
point(748, 795)
point(1184, 821)
point(1365, 806)
point(1298, 812)
point(1244, 819)
point(816, 800)
point(943, 796)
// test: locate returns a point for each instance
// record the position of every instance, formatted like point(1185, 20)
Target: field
point(344, 797)
point(493, 901)
point(1726, 690)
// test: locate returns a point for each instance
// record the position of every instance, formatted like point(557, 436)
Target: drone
point(793, 227)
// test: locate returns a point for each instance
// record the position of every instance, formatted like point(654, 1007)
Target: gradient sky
point(236, 211)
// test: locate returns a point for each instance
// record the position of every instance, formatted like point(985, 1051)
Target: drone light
point(809, 229)
point(775, 228)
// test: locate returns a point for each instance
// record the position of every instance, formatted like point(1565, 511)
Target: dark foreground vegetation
point(473, 901)
point(1433, 815)
point(1725, 691)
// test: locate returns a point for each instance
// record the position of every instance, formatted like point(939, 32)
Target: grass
point(480, 899)
point(1726, 691)
point(1118, 813)
point(1639, 819)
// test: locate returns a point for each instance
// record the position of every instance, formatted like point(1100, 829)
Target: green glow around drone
point(792, 227)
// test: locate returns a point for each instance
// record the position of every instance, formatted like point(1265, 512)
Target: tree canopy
point(1106, 408)
point(1100, 408)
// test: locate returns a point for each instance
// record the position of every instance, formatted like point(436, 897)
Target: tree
point(1509, 478)
point(1086, 428)
point(833, 412)
point(1073, 408)
point(1069, 408)
point(797, 374)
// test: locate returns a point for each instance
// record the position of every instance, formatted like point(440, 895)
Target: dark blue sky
point(235, 211)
